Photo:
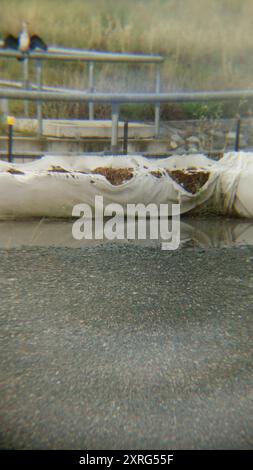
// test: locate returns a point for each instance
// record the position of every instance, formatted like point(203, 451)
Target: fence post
point(125, 139)
point(10, 123)
point(5, 107)
point(237, 137)
point(26, 83)
point(115, 124)
point(39, 103)
point(157, 105)
point(91, 89)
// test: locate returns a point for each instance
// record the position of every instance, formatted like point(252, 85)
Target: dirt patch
point(115, 176)
point(14, 171)
point(191, 179)
point(156, 173)
point(215, 155)
point(57, 169)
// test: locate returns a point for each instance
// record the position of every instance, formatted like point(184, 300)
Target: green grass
point(207, 44)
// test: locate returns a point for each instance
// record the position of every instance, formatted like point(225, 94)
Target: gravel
point(126, 347)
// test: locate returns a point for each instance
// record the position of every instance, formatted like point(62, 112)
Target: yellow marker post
point(10, 122)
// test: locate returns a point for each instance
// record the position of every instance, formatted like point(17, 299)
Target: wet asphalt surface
point(120, 347)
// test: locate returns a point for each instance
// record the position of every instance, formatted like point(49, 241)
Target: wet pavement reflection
point(194, 231)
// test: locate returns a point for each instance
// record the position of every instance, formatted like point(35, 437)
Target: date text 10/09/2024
point(127, 459)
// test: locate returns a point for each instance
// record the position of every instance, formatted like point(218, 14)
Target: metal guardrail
point(58, 53)
point(34, 86)
point(120, 98)
point(116, 99)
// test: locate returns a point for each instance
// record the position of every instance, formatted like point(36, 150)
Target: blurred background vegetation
point(207, 44)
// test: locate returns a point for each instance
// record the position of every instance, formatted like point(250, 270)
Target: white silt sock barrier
point(234, 192)
point(51, 186)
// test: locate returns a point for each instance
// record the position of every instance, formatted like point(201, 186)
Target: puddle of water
point(199, 232)
point(217, 232)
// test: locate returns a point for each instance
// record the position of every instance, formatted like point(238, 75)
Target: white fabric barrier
point(234, 192)
point(37, 189)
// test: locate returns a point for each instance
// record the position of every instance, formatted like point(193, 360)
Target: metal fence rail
point(58, 53)
point(116, 99)
point(120, 98)
point(35, 86)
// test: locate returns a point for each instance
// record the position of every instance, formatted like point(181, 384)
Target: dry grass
point(207, 44)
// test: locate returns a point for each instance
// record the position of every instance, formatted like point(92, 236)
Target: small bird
point(24, 42)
